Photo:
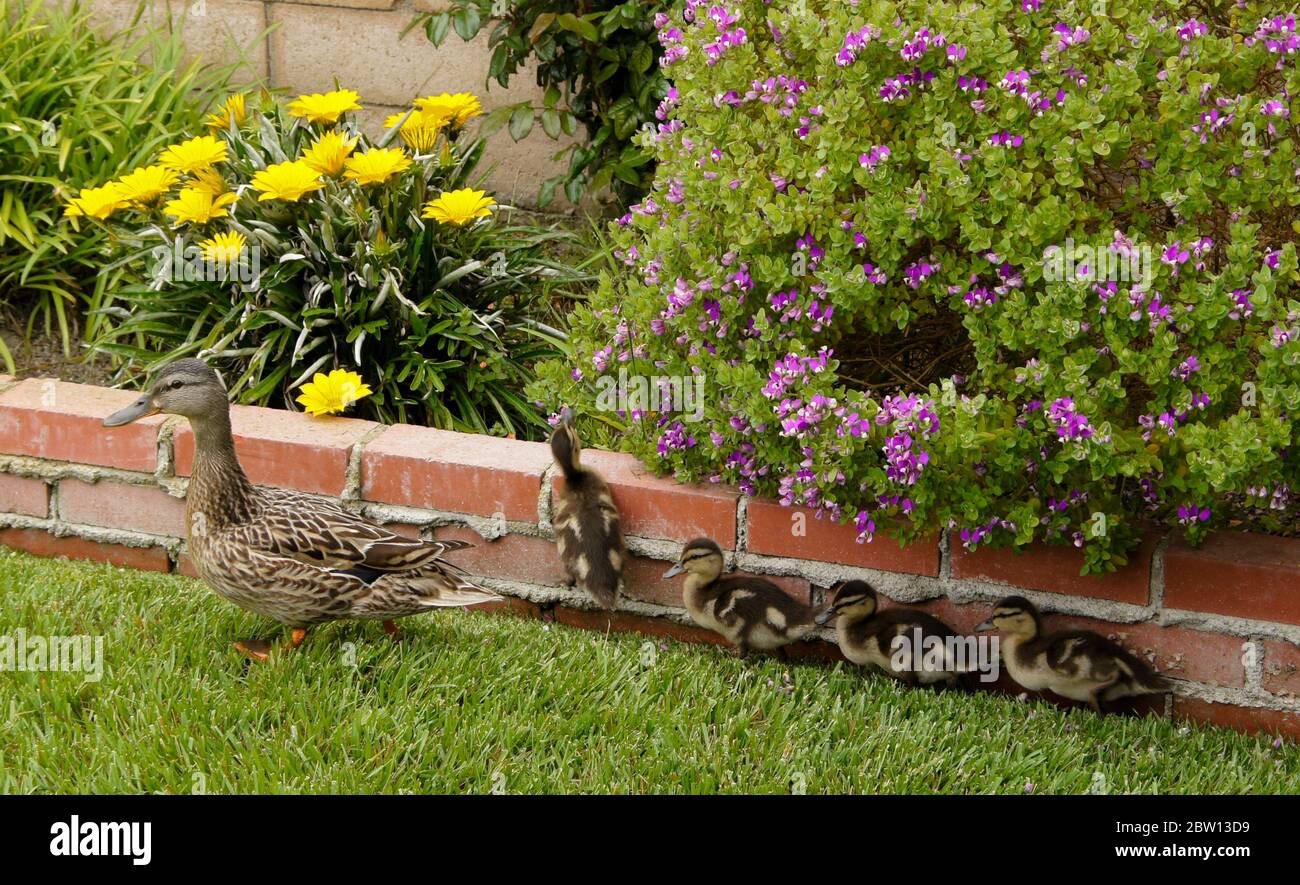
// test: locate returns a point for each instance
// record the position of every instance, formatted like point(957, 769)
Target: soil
point(42, 357)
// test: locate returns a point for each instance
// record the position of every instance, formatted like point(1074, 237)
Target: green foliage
point(965, 381)
point(442, 321)
point(74, 109)
point(599, 66)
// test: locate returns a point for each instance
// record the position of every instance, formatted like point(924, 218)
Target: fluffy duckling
point(588, 531)
point(1075, 664)
point(751, 613)
point(868, 636)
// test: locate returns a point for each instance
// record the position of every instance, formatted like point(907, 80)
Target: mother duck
point(298, 559)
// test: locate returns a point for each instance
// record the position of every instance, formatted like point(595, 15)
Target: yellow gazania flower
point(194, 155)
point(194, 205)
point(96, 202)
point(325, 108)
point(287, 181)
point(459, 207)
point(376, 165)
point(327, 394)
point(328, 153)
point(224, 247)
point(146, 183)
point(457, 108)
point(420, 131)
point(209, 180)
point(233, 107)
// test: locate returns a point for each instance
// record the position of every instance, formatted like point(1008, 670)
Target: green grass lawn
point(472, 702)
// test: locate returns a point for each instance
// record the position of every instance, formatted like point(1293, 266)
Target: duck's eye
point(177, 384)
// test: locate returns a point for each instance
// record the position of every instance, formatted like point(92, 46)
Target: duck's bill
point(985, 626)
point(674, 571)
point(141, 408)
point(824, 617)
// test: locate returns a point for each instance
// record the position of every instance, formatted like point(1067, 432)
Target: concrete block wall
point(305, 47)
point(1223, 620)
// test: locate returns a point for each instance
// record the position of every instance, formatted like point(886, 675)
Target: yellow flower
point(195, 205)
point(420, 131)
point(209, 180)
point(327, 394)
point(97, 202)
point(456, 109)
point(328, 153)
point(325, 108)
point(459, 207)
point(194, 155)
point(287, 181)
point(232, 108)
point(146, 183)
point(376, 165)
point(224, 247)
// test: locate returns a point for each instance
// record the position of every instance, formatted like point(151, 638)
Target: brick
point(1209, 658)
point(772, 532)
point(514, 557)
point(292, 450)
point(137, 508)
point(44, 418)
point(461, 472)
point(509, 605)
point(660, 507)
point(1251, 719)
point(621, 622)
point(41, 543)
point(185, 566)
point(1238, 574)
point(1055, 569)
point(220, 32)
point(1281, 668)
point(21, 494)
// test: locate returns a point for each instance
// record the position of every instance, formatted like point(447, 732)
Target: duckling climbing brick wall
point(1223, 620)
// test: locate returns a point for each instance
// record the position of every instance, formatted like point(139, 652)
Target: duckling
point(296, 558)
point(895, 640)
point(751, 613)
point(1076, 664)
point(588, 530)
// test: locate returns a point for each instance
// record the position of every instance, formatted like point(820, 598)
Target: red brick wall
point(1222, 620)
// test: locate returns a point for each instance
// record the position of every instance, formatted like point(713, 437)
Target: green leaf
point(521, 122)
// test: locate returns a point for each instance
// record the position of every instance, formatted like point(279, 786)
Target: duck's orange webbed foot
point(255, 649)
point(296, 638)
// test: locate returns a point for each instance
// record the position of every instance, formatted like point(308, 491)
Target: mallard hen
point(292, 557)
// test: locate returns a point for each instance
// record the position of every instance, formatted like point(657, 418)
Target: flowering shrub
point(1017, 269)
point(74, 107)
point(284, 243)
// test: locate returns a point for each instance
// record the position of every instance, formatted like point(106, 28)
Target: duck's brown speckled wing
point(320, 532)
